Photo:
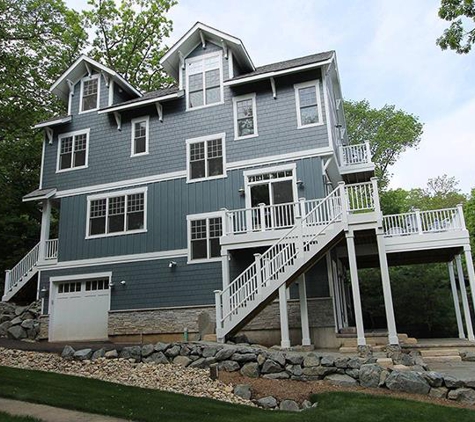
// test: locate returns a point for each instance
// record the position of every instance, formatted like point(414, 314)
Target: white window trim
point(316, 84)
point(202, 216)
point(132, 136)
point(254, 115)
point(112, 195)
point(88, 78)
point(67, 135)
point(265, 170)
point(221, 136)
point(187, 91)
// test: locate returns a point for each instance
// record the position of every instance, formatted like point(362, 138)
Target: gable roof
point(77, 70)
point(188, 42)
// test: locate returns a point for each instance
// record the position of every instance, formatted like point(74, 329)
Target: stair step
point(442, 359)
point(439, 352)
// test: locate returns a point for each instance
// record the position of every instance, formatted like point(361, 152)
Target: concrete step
point(442, 359)
point(376, 340)
point(439, 352)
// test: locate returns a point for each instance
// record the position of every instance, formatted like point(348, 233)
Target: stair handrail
point(266, 259)
point(25, 265)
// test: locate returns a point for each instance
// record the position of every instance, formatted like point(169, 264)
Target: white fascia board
point(52, 123)
point(277, 73)
point(178, 94)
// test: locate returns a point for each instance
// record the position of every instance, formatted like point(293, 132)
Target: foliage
point(469, 212)
point(6, 417)
point(389, 131)
point(128, 38)
point(460, 14)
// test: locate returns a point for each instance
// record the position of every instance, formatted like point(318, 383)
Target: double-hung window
point(204, 76)
point(309, 109)
point(117, 213)
point(90, 93)
point(72, 150)
point(245, 118)
point(204, 233)
point(140, 136)
point(206, 157)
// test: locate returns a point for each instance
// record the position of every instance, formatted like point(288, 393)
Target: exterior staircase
point(300, 248)
point(378, 340)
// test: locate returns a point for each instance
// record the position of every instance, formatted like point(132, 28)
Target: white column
point(355, 288)
point(304, 311)
point(471, 273)
point(388, 298)
point(284, 318)
point(331, 285)
point(463, 292)
point(45, 226)
point(225, 267)
point(455, 296)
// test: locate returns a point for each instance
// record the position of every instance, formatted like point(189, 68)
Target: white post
point(470, 270)
point(455, 296)
point(342, 160)
point(350, 241)
point(225, 267)
point(377, 204)
point(304, 311)
point(344, 204)
point(8, 275)
point(219, 318)
point(302, 207)
point(418, 221)
point(257, 260)
point(463, 292)
point(45, 226)
point(461, 216)
point(388, 298)
point(284, 318)
point(368, 152)
point(300, 240)
point(262, 214)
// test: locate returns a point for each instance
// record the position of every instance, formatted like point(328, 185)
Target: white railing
point(15, 275)
point(286, 254)
point(51, 249)
point(351, 155)
point(421, 222)
point(362, 197)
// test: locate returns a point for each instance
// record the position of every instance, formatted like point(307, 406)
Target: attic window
point(90, 93)
point(204, 79)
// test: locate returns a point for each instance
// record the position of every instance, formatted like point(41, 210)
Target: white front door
point(79, 309)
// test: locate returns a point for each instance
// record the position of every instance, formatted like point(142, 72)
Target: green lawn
point(153, 405)
point(5, 417)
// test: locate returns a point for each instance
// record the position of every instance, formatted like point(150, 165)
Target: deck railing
point(351, 155)
point(28, 262)
point(51, 249)
point(362, 197)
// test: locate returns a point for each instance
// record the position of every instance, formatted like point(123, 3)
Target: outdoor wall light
point(300, 183)
point(241, 191)
point(171, 264)
point(44, 290)
point(123, 282)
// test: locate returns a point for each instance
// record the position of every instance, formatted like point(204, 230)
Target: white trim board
point(85, 276)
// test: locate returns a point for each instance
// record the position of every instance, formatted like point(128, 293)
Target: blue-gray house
point(231, 200)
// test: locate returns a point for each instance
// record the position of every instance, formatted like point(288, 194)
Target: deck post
point(455, 296)
point(8, 275)
point(262, 216)
point(304, 311)
point(45, 228)
point(388, 298)
point(463, 292)
point(284, 318)
point(258, 261)
point(355, 288)
point(470, 270)
point(219, 318)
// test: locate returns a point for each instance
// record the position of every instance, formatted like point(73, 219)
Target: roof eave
point(52, 123)
point(148, 101)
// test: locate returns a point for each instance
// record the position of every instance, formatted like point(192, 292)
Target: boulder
point(4, 326)
point(306, 404)
point(353, 373)
point(439, 392)
point(209, 352)
point(267, 402)
point(289, 406)
point(185, 350)
point(463, 395)
point(319, 371)
point(277, 376)
point(161, 347)
point(271, 367)
point(83, 354)
point(294, 359)
point(342, 362)
point(20, 309)
point(229, 366)
point(468, 356)
point(225, 353)
point(156, 357)
point(434, 379)
point(354, 363)
point(243, 391)
point(16, 332)
point(27, 324)
point(31, 333)
point(242, 358)
point(370, 375)
point(327, 361)
point(183, 361)
point(111, 354)
point(408, 381)
point(341, 380)
point(277, 357)
point(261, 358)
point(16, 321)
point(294, 370)
point(68, 352)
point(198, 363)
point(147, 350)
point(451, 382)
point(311, 360)
point(133, 352)
point(173, 351)
point(98, 354)
point(251, 370)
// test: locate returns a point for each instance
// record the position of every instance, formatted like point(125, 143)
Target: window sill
point(241, 138)
point(139, 155)
point(72, 169)
point(311, 125)
point(204, 179)
point(204, 106)
point(203, 261)
point(101, 236)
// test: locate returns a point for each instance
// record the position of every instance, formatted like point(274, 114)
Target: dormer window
point(204, 81)
point(90, 93)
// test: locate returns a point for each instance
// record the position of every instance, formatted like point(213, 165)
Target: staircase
point(304, 244)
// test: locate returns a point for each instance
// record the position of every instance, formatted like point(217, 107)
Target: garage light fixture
point(171, 264)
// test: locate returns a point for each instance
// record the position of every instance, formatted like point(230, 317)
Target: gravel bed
point(173, 378)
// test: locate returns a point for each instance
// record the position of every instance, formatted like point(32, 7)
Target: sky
point(386, 54)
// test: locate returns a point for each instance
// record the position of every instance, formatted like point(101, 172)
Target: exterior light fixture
point(300, 183)
point(171, 264)
point(241, 191)
point(123, 282)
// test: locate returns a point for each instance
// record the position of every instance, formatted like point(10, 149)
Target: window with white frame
point(245, 117)
point(307, 98)
point(72, 150)
point(204, 80)
point(90, 93)
point(140, 136)
point(206, 157)
point(72, 287)
point(204, 234)
point(117, 213)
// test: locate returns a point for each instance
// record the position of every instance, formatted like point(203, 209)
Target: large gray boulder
point(27, 324)
point(147, 350)
point(183, 361)
point(161, 347)
point(451, 382)
point(407, 381)
point(111, 354)
point(311, 360)
point(267, 402)
point(225, 353)
point(318, 371)
point(172, 351)
point(370, 375)
point(4, 326)
point(210, 351)
point(434, 379)
point(16, 332)
point(16, 321)
point(341, 380)
point(245, 357)
point(68, 352)
point(243, 391)
point(228, 366)
point(289, 406)
point(157, 357)
point(463, 395)
point(278, 357)
point(439, 392)
point(251, 370)
point(271, 367)
point(294, 359)
point(277, 376)
point(83, 354)
point(98, 354)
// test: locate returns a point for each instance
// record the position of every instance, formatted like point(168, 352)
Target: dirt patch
point(302, 390)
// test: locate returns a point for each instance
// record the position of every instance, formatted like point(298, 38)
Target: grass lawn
point(5, 417)
point(152, 405)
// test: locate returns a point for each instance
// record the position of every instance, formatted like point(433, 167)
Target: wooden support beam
point(182, 59)
point(118, 120)
point(159, 110)
point(88, 68)
point(225, 49)
point(106, 78)
point(274, 90)
point(70, 86)
point(203, 39)
point(49, 134)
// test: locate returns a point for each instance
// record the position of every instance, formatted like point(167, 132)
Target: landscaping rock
point(341, 380)
point(277, 376)
point(434, 379)
point(147, 350)
point(161, 347)
point(16, 321)
point(409, 382)
point(243, 390)
point(20, 309)
point(294, 359)
point(225, 353)
point(439, 392)
point(111, 354)
point(68, 353)
point(16, 332)
point(327, 361)
point(311, 360)
point(4, 326)
point(242, 358)
point(251, 370)
point(289, 406)
point(173, 351)
point(342, 362)
point(277, 357)
point(463, 395)
point(364, 351)
point(354, 363)
point(353, 373)
point(229, 366)
point(318, 371)
point(452, 382)
point(468, 356)
point(209, 352)
point(133, 352)
point(294, 370)
point(27, 324)
point(370, 375)
point(306, 404)
point(83, 354)
point(157, 357)
point(261, 358)
point(271, 367)
point(267, 402)
point(198, 363)
point(183, 361)
point(185, 350)
point(98, 354)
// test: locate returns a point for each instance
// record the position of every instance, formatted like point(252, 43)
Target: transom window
point(97, 284)
point(140, 136)
point(119, 213)
point(69, 287)
point(245, 119)
point(309, 111)
point(204, 238)
point(90, 93)
point(72, 150)
point(206, 158)
point(204, 81)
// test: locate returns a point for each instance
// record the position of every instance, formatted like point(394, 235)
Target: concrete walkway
point(51, 414)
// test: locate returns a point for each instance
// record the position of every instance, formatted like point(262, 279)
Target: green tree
point(469, 212)
point(389, 131)
point(460, 14)
point(128, 38)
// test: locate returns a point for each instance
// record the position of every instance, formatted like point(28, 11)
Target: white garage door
point(79, 309)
